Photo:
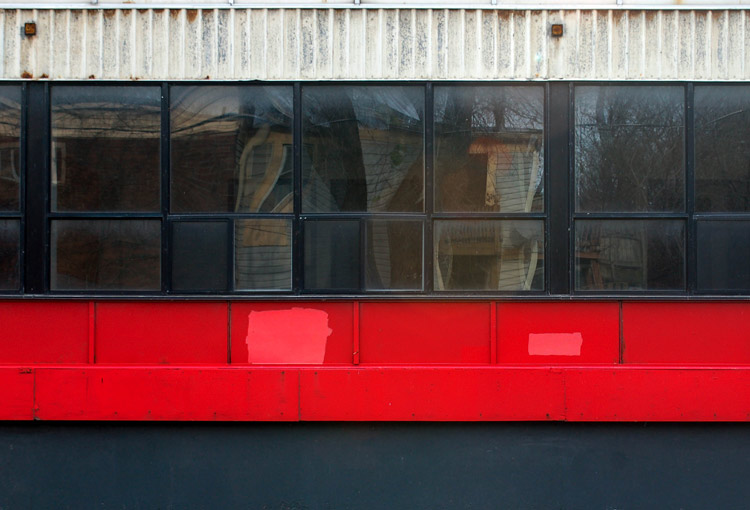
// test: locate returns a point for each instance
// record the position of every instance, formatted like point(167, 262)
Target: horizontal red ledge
point(414, 393)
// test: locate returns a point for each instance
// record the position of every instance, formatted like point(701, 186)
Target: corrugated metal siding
point(325, 44)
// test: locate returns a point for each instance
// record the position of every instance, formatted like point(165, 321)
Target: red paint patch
point(555, 344)
point(296, 336)
point(339, 345)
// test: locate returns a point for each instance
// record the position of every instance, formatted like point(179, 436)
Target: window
point(489, 188)
point(415, 189)
point(10, 188)
point(105, 200)
point(630, 215)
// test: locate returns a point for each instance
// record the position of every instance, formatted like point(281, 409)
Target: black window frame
point(559, 203)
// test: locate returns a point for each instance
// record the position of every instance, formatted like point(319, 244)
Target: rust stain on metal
point(26, 75)
point(108, 13)
point(191, 14)
point(44, 76)
point(92, 77)
point(175, 13)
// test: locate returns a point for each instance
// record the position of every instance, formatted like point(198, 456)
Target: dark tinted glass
point(105, 148)
point(105, 255)
point(263, 254)
point(364, 148)
point(724, 255)
point(629, 148)
point(10, 242)
point(722, 148)
point(332, 256)
point(199, 255)
point(505, 255)
point(630, 255)
point(231, 149)
point(394, 255)
point(10, 147)
point(488, 149)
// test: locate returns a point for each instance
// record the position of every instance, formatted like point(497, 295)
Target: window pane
point(332, 255)
point(106, 255)
point(630, 255)
point(394, 255)
point(722, 148)
point(105, 148)
point(488, 149)
point(10, 148)
point(364, 149)
point(231, 149)
point(724, 255)
point(199, 255)
point(263, 254)
point(629, 148)
point(506, 255)
point(10, 242)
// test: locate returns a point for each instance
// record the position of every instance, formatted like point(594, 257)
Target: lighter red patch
point(296, 336)
point(555, 344)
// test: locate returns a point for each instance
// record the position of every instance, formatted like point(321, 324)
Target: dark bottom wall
point(345, 465)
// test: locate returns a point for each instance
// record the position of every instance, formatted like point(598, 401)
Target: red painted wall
point(349, 360)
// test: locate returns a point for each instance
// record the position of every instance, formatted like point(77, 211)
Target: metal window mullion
point(298, 265)
point(166, 266)
point(428, 247)
point(36, 229)
point(691, 251)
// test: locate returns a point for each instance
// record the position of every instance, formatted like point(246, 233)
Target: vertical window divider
point(429, 195)
point(572, 187)
point(691, 265)
point(166, 266)
point(297, 232)
point(558, 194)
point(363, 261)
point(36, 200)
point(23, 151)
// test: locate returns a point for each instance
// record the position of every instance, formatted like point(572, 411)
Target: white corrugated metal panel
point(372, 44)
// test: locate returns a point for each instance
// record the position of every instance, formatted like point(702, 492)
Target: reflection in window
point(724, 255)
point(629, 148)
point(263, 254)
point(105, 148)
point(10, 242)
point(10, 148)
point(231, 149)
point(394, 255)
point(105, 254)
point(505, 255)
point(722, 148)
point(488, 149)
point(630, 255)
point(364, 149)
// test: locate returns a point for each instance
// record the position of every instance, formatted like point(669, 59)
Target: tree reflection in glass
point(629, 149)
point(488, 149)
point(722, 148)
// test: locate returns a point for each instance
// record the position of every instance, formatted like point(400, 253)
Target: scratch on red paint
point(298, 335)
point(555, 344)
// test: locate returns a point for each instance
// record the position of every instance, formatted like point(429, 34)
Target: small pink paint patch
point(555, 344)
point(291, 336)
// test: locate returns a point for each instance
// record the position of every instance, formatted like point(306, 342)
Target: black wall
point(296, 466)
